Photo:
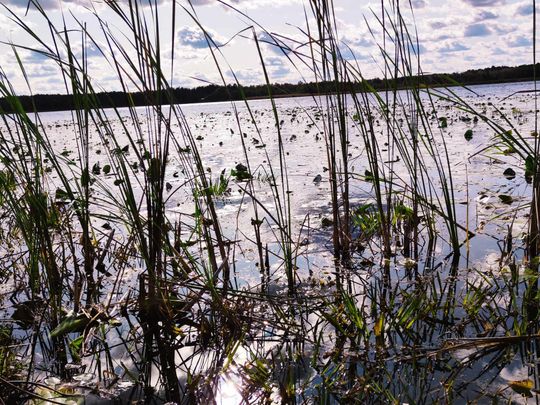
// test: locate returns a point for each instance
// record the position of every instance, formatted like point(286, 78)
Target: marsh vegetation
point(350, 247)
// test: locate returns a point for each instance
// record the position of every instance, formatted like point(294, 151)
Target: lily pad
point(368, 176)
point(326, 222)
point(443, 122)
point(96, 169)
point(506, 199)
point(241, 173)
point(509, 173)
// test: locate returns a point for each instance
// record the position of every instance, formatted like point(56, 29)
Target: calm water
point(476, 171)
point(447, 294)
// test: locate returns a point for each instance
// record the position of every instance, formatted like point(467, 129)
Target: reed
point(111, 279)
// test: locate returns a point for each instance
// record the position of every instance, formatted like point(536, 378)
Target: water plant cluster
point(340, 248)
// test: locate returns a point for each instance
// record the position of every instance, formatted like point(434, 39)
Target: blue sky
point(453, 36)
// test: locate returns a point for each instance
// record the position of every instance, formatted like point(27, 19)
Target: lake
point(416, 323)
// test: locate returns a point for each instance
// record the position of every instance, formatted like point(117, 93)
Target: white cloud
point(525, 9)
point(359, 41)
point(419, 4)
point(519, 41)
point(485, 3)
point(43, 71)
point(46, 4)
point(437, 24)
point(194, 37)
point(477, 30)
point(247, 4)
point(453, 47)
point(486, 15)
point(246, 76)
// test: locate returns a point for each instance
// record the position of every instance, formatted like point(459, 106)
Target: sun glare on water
point(228, 392)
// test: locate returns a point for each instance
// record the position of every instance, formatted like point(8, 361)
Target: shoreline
point(41, 100)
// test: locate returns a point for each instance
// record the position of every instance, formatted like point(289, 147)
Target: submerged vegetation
point(341, 248)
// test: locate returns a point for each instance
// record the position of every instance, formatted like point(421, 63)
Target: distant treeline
point(211, 93)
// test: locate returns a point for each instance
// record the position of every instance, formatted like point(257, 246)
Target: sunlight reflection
point(229, 390)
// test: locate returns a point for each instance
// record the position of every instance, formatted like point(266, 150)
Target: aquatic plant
point(120, 289)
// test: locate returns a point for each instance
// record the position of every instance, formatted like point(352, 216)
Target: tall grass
point(113, 283)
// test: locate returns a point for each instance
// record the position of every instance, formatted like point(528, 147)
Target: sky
point(453, 36)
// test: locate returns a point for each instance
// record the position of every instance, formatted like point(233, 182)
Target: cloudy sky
point(454, 36)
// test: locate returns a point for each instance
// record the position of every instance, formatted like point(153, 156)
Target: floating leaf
point(121, 151)
point(61, 195)
point(188, 243)
point(256, 222)
point(241, 168)
point(522, 387)
point(241, 172)
point(368, 176)
point(96, 169)
point(509, 173)
point(443, 122)
point(326, 222)
point(506, 199)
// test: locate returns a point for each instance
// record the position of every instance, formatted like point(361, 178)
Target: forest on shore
point(216, 93)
